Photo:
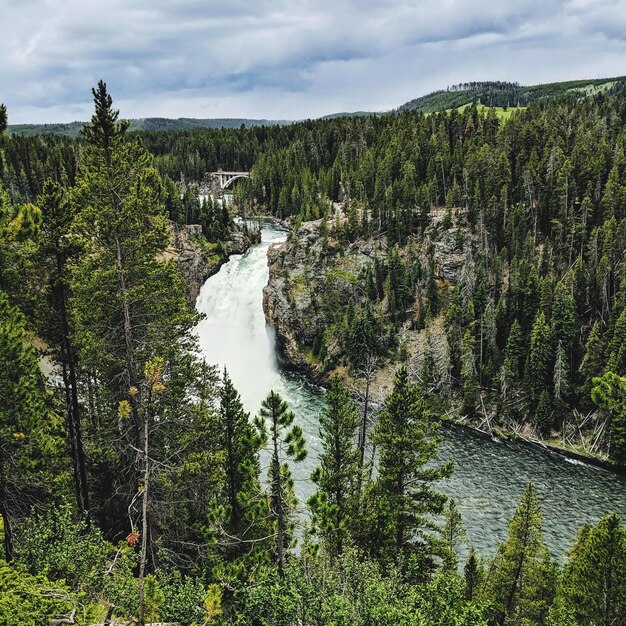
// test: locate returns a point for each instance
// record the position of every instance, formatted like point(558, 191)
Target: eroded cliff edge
point(317, 274)
point(197, 259)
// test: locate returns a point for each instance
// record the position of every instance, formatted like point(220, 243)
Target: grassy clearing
point(501, 112)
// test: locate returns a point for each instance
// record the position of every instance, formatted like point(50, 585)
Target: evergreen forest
point(134, 486)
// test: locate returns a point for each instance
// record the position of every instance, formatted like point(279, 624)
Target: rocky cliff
point(302, 271)
point(197, 259)
point(315, 273)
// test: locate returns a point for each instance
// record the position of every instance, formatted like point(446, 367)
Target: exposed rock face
point(197, 259)
point(301, 271)
point(449, 253)
point(310, 265)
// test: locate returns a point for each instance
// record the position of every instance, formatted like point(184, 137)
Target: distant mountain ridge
point(487, 93)
point(72, 129)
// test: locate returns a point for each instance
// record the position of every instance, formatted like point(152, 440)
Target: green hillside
point(504, 94)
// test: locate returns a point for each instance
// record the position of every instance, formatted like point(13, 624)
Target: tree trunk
point(278, 503)
point(73, 408)
point(8, 533)
point(363, 426)
point(144, 525)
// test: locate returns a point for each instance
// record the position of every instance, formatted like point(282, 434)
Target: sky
point(289, 59)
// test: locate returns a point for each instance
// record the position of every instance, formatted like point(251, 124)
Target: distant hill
point(487, 93)
point(333, 116)
point(149, 123)
point(503, 94)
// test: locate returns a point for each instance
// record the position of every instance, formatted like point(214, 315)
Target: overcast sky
point(289, 59)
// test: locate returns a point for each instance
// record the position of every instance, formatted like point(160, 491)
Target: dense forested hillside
point(503, 94)
point(131, 483)
point(536, 205)
point(491, 94)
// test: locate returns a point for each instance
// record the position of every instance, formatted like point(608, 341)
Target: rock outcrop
point(313, 269)
point(304, 272)
point(197, 259)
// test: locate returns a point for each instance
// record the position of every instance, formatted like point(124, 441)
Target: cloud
point(288, 58)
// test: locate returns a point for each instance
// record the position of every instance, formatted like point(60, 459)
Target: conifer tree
point(19, 225)
point(468, 372)
point(104, 132)
point(245, 513)
point(337, 477)
point(561, 376)
point(539, 369)
point(564, 318)
point(592, 361)
point(285, 441)
point(473, 574)
point(520, 580)
point(55, 250)
point(593, 584)
point(616, 350)
point(132, 323)
point(609, 392)
point(514, 356)
point(453, 536)
point(544, 413)
point(403, 498)
point(22, 412)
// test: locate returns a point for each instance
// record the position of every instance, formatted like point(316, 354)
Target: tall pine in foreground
point(132, 325)
point(54, 251)
point(284, 442)
point(242, 519)
point(594, 580)
point(403, 500)
point(335, 503)
point(520, 580)
point(23, 418)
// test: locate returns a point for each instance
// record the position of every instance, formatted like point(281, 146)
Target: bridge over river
point(226, 179)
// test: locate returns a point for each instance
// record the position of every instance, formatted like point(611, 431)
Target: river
point(489, 476)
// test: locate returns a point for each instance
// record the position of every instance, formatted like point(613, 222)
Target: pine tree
point(19, 225)
point(561, 377)
point(520, 579)
point(132, 327)
point(514, 355)
point(285, 441)
point(104, 132)
point(594, 579)
point(453, 536)
point(468, 372)
point(544, 413)
point(337, 477)
point(245, 512)
point(3, 118)
point(540, 356)
point(473, 574)
point(22, 413)
point(55, 251)
point(616, 350)
point(565, 324)
point(591, 364)
point(402, 498)
point(609, 392)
